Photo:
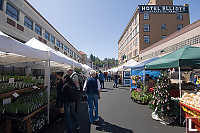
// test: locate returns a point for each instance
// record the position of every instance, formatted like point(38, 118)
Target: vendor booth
point(184, 59)
point(139, 70)
point(126, 72)
point(140, 86)
point(26, 94)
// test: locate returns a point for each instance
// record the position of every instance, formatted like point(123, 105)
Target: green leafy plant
point(142, 97)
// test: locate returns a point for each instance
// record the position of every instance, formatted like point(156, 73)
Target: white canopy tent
point(53, 55)
point(17, 51)
point(131, 62)
point(123, 66)
point(113, 70)
point(13, 51)
point(86, 69)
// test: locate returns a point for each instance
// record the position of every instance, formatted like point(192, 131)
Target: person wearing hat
point(92, 88)
point(70, 96)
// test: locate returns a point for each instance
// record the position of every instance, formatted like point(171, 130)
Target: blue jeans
point(93, 106)
point(71, 119)
point(115, 82)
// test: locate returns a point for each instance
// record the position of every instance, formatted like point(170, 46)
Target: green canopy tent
point(187, 57)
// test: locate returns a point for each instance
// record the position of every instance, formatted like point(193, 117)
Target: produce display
point(38, 121)
point(142, 97)
point(191, 99)
point(24, 82)
point(27, 104)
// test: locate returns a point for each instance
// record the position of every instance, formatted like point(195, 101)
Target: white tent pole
point(179, 71)
point(48, 89)
point(144, 77)
point(47, 83)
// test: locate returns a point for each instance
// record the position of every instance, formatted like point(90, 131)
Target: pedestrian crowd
point(73, 87)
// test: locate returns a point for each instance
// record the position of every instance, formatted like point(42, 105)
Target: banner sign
point(163, 9)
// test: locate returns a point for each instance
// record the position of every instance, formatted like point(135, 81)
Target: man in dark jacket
point(70, 95)
point(92, 88)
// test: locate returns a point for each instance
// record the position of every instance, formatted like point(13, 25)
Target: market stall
point(25, 96)
point(141, 90)
point(126, 72)
point(186, 58)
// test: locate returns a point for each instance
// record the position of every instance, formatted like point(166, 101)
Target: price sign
point(15, 95)
point(6, 101)
point(11, 80)
point(35, 87)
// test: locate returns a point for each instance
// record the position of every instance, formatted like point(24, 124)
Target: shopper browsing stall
point(92, 89)
point(70, 96)
point(101, 79)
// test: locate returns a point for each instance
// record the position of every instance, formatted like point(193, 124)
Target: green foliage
point(142, 97)
point(110, 62)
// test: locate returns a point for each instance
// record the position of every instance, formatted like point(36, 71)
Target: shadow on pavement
point(108, 127)
point(84, 118)
point(103, 91)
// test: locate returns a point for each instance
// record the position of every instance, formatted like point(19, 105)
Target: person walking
point(101, 79)
point(92, 88)
point(70, 96)
point(115, 78)
point(106, 76)
point(109, 76)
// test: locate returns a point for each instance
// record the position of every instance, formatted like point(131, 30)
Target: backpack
point(70, 91)
point(80, 80)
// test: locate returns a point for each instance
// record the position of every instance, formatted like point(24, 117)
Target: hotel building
point(149, 24)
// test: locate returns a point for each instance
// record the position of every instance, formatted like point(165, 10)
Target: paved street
point(120, 115)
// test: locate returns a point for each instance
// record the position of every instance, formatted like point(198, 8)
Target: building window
point(47, 35)
point(136, 29)
point(146, 27)
point(58, 43)
point(52, 39)
point(1, 4)
point(146, 39)
point(179, 17)
point(38, 29)
point(163, 36)
point(12, 11)
point(28, 22)
point(146, 16)
point(65, 48)
point(61, 45)
point(163, 27)
point(179, 26)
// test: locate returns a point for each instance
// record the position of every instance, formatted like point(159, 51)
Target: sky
point(95, 26)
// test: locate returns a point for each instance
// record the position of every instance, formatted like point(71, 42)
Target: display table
point(27, 119)
point(191, 111)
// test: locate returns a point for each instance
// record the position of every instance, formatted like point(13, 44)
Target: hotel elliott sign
point(163, 9)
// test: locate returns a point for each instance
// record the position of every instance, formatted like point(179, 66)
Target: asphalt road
point(119, 114)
